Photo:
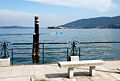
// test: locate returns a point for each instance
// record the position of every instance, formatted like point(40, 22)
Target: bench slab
point(70, 64)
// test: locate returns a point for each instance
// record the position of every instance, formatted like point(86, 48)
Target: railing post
point(43, 52)
point(74, 55)
point(5, 47)
point(73, 48)
point(67, 54)
point(12, 56)
point(79, 53)
point(4, 52)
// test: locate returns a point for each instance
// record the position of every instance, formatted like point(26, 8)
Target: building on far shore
point(56, 27)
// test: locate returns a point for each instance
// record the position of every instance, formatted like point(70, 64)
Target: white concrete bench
point(73, 64)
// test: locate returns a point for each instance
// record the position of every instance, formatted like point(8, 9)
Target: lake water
point(55, 35)
point(65, 35)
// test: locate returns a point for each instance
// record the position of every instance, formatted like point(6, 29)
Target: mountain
point(15, 27)
point(100, 22)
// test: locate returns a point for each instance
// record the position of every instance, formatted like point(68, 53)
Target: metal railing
point(100, 50)
point(54, 52)
point(48, 52)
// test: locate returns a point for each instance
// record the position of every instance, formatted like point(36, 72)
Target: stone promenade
point(108, 72)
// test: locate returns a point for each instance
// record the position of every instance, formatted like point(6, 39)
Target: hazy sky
point(54, 12)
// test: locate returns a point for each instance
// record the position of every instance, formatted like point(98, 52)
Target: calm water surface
point(60, 35)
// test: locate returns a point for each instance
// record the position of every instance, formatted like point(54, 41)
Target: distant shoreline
point(20, 27)
point(17, 27)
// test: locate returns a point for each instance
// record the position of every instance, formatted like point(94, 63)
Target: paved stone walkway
point(108, 72)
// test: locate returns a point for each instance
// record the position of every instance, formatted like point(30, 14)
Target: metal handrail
point(98, 42)
point(100, 55)
point(35, 43)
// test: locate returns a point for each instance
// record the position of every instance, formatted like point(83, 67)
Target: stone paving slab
point(110, 71)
